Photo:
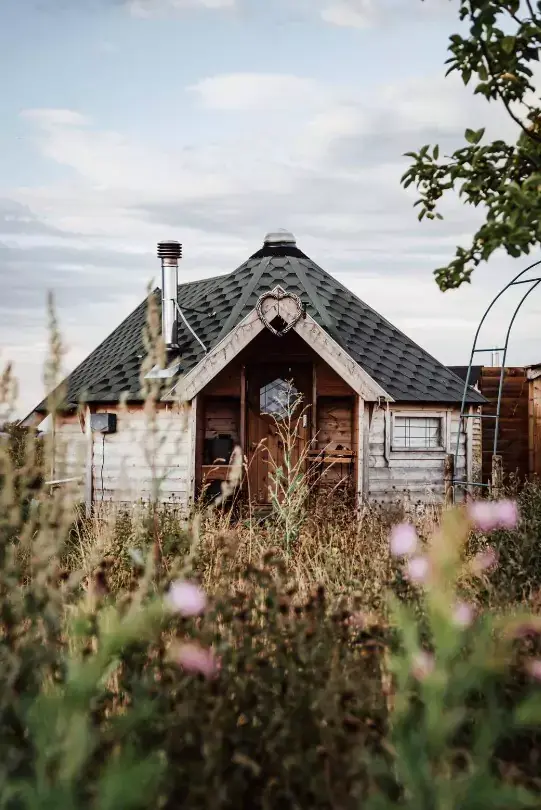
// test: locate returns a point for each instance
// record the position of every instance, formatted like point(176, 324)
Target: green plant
point(500, 50)
point(450, 709)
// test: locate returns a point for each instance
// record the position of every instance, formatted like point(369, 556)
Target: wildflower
point(484, 560)
point(508, 514)
point(187, 598)
point(489, 515)
point(463, 614)
point(422, 665)
point(417, 569)
point(534, 668)
point(194, 658)
point(403, 539)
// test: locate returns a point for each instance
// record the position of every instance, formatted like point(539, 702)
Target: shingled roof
point(214, 306)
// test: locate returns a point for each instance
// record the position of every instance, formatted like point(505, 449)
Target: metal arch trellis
point(518, 279)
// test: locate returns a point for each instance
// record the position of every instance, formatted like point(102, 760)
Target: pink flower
point(403, 539)
point(534, 668)
point(187, 598)
point(489, 515)
point(463, 614)
point(508, 514)
point(422, 665)
point(417, 569)
point(194, 658)
point(484, 560)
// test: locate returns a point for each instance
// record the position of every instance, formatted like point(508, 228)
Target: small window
point(278, 398)
point(418, 433)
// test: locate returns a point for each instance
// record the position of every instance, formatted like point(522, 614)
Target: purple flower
point(463, 614)
point(187, 598)
point(534, 668)
point(489, 515)
point(422, 665)
point(417, 569)
point(403, 539)
point(484, 560)
point(194, 658)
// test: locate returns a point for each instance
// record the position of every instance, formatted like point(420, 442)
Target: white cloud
point(148, 8)
point(351, 13)
point(256, 91)
point(53, 118)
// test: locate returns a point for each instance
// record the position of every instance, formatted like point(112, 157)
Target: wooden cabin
point(278, 341)
point(519, 432)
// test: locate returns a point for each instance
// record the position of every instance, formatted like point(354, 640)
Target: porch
point(285, 407)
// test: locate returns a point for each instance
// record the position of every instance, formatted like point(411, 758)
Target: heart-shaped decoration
point(280, 295)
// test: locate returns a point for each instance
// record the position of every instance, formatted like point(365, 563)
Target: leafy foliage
point(498, 53)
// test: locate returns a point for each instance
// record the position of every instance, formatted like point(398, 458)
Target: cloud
point(256, 91)
point(149, 8)
point(351, 13)
point(322, 160)
point(52, 118)
point(362, 14)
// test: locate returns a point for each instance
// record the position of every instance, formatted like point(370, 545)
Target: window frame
point(445, 433)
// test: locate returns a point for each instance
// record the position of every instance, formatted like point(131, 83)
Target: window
point(418, 433)
point(278, 398)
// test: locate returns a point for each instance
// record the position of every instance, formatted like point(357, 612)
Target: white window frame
point(394, 451)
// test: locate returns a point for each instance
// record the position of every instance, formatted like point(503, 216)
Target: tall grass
point(299, 662)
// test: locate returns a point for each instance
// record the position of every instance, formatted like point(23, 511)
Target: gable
point(269, 309)
point(215, 307)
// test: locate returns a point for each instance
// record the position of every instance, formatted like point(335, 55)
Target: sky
point(125, 122)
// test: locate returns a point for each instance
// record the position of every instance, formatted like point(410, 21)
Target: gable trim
point(307, 328)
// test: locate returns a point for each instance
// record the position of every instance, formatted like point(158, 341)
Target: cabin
point(275, 343)
point(519, 426)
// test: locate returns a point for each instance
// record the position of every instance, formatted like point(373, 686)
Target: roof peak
point(280, 236)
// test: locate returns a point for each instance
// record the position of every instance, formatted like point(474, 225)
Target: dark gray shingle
point(403, 369)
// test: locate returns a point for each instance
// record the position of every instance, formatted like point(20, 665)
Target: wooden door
point(278, 403)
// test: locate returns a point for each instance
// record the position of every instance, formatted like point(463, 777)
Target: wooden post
point(497, 477)
point(448, 477)
point(359, 449)
point(242, 431)
point(89, 471)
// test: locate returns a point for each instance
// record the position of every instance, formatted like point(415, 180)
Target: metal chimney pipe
point(169, 253)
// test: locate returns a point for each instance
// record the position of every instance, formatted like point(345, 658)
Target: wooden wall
point(70, 452)
point(534, 416)
point(514, 428)
point(419, 476)
point(141, 460)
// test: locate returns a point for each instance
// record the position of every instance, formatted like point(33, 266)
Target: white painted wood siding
point(145, 459)
point(415, 475)
point(70, 453)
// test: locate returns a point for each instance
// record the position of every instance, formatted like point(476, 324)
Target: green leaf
point(528, 713)
point(508, 44)
point(436, 152)
point(474, 136)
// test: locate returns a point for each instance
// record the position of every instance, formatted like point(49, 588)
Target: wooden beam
point(469, 449)
point(497, 477)
point(359, 449)
point(448, 475)
point(89, 473)
point(313, 431)
point(192, 461)
point(242, 426)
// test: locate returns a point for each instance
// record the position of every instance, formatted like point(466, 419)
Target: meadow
point(315, 659)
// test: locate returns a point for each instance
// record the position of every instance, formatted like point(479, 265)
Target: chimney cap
point(169, 249)
point(281, 236)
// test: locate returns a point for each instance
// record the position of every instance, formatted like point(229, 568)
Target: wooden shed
point(519, 433)
point(377, 415)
